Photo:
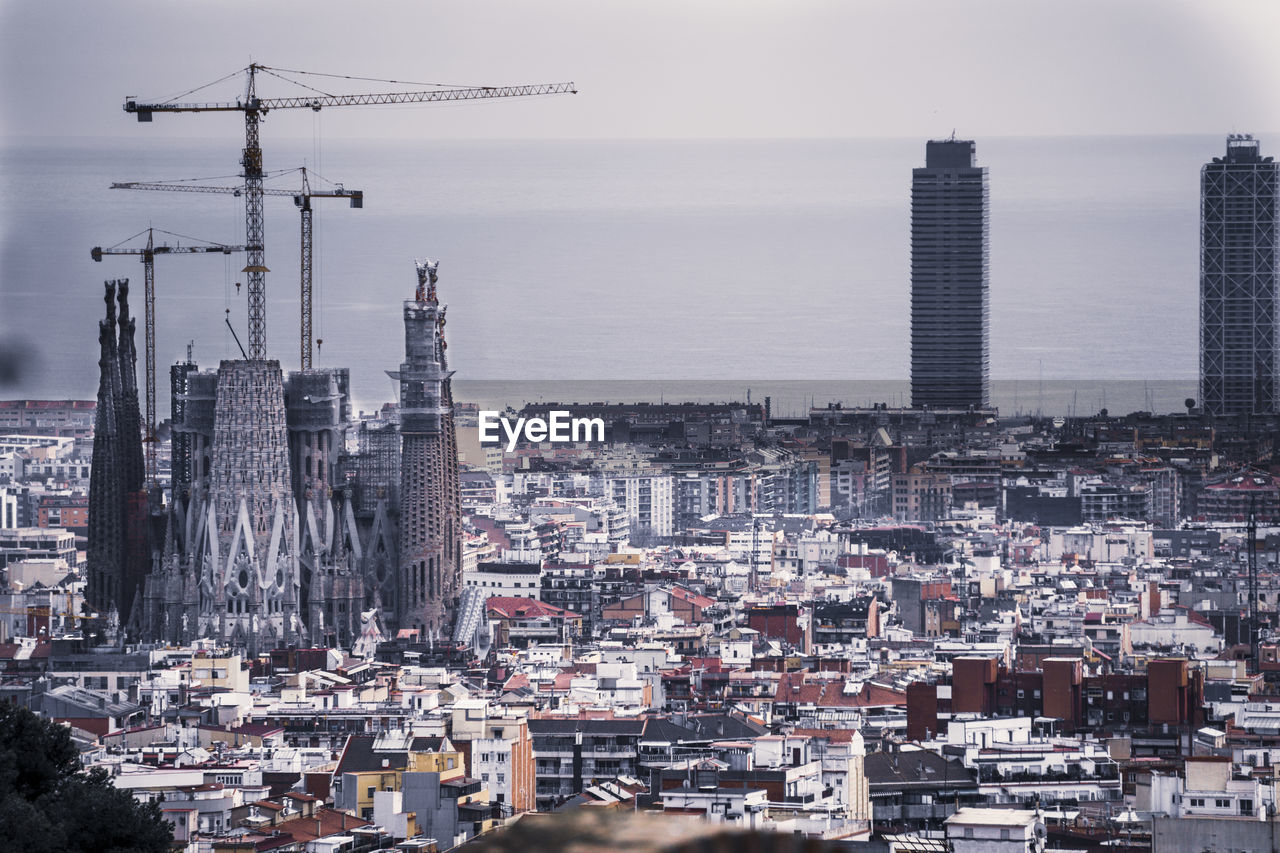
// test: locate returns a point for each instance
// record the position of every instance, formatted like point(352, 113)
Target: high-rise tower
point(426, 582)
point(949, 301)
point(1238, 281)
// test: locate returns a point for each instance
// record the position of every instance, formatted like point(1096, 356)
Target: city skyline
point(348, 597)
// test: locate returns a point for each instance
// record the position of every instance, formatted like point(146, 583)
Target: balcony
point(1074, 775)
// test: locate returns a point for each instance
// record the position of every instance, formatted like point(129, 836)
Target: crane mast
point(304, 265)
point(302, 199)
point(254, 227)
point(254, 109)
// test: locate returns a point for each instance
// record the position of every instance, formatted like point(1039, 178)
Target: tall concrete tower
point(427, 577)
point(1239, 342)
point(950, 311)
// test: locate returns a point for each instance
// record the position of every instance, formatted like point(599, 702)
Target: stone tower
point(118, 555)
point(424, 589)
point(250, 548)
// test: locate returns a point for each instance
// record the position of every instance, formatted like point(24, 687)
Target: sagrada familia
point(274, 533)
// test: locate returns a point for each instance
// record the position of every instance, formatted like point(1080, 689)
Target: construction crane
point(301, 198)
point(147, 255)
point(255, 109)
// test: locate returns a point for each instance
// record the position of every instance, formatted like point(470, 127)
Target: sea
point(620, 270)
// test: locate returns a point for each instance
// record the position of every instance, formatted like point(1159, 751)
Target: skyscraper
point(949, 302)
point(1238, 281)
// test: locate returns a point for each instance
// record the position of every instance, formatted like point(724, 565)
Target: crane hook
point(237, 288)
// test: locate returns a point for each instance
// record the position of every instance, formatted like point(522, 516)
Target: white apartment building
point(511, 580)
point(648, 499)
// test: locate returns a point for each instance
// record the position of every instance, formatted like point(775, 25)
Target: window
point(1222, 804)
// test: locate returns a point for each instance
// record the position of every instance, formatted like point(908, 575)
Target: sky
point(658, 69)
point(664, 68)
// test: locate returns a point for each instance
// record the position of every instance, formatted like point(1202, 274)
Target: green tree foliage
point(48, 804)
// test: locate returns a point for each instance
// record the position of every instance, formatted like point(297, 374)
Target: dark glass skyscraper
point(1238, 281)
point(949, 303)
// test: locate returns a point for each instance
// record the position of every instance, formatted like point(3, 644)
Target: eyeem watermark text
point(559, 427)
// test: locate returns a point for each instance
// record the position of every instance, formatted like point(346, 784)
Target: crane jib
point(144, 111)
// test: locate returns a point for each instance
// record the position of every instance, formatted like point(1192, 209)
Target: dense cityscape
point(287, 624)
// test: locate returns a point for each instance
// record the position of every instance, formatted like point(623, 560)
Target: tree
point(48, 804)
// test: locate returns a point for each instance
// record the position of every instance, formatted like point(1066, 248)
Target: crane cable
point(127, 239)
point(371, 79)
point(226, 302)
point(169, 233)
point(274, 173)
point(205, 86)
point(317, 270)
point(296, 83)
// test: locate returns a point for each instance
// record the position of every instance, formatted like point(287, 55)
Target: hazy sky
point(664, 68)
